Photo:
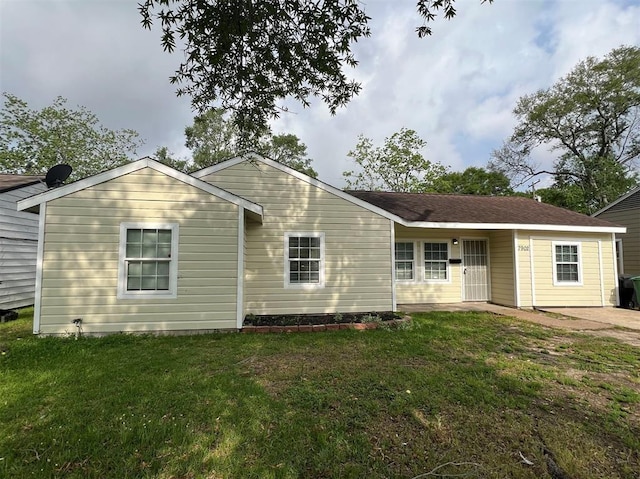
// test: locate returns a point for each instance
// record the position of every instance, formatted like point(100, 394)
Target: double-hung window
point(404, 258)
point(148, 260)
point(304, 261)
point(566, 261)
point(436, 261)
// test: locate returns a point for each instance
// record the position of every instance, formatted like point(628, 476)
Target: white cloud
point(457, 89)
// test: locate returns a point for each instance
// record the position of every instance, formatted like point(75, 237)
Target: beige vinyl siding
point(631, 239)
point(597, 279)
point(501, 268)
point(357, 244)
point(525, 284)
point(421, 291)
point(81, 254)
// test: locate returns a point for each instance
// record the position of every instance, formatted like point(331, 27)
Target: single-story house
point(18, 241)
point(144, 247)
point(625, 211)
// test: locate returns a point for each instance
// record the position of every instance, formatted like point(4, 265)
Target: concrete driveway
point(624, 318)
point(595, 321)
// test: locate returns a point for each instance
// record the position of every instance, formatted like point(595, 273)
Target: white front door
point(475, 277)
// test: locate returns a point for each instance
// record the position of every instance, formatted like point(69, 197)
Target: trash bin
point(636, 292)
point(627, 291)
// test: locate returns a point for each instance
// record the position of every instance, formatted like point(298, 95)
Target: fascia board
point(131, 168)
point(513, 226)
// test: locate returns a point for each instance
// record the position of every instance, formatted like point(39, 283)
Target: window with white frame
point(567, 263)
point(148, 260)
point(436, 261)
point(304, 265)
point(404, 257)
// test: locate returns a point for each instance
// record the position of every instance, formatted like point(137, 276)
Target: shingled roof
point(470, 209)
point(11, 182)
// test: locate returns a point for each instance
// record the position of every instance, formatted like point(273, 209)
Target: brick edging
point(308, 328)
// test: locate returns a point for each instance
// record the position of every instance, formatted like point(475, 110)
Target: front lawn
point(457, 393)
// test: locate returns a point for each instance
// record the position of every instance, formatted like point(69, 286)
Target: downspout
point(394, 304)
point(37, 305)
point(516, 269)
point(615, 269)
point(240, 271)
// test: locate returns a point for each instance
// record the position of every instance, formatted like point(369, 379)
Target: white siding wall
point(80, 273)
point(18, 246)
point(357, 244)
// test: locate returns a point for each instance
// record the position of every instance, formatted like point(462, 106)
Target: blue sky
point(457, 89)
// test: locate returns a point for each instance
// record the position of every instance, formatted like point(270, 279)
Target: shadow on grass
point(454, 388)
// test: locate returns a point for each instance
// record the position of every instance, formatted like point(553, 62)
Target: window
point(404, 261)
point(567, 263)
point(436, 261)
point(148, 260)
point(304, 265)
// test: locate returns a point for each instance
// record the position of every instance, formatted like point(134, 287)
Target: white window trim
point(172, 293)
point(555, 263)
point(422, 261)
point(287, 283)
point(415, 256)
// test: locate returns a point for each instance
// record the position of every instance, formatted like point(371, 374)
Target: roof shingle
point(444, 208)
point(11, 182)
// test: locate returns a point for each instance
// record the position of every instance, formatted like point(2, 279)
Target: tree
point(163, 155)
point(288, 150)
point(474, 181)
point(33, 141)
point(247, 55)
point(591, 118)
point(398, 165)
point(213, 138)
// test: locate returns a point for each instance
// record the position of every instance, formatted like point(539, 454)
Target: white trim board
point(131, 168)
point(37, 306)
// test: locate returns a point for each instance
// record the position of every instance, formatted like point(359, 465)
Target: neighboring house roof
point(625, 202)
point(485, 212)
point(12, 182)
point(130, 168)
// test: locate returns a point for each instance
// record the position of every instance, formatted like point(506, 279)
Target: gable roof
point(482, 212)
point(130, 168)
point(543, 217)
point(301, 176)
point(626, 201)
point(12, 182)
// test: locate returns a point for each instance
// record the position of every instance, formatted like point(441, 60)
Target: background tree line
point(590, 119)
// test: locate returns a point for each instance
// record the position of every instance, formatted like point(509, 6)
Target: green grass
point(454, 388)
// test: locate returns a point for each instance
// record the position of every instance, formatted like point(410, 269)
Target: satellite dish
point(56, 175)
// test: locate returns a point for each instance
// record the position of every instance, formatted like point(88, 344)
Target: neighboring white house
point(144, 247)
point(18, 241)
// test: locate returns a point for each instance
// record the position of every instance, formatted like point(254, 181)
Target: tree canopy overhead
point(591, 119)
point(32, 141)
point(248, 55)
